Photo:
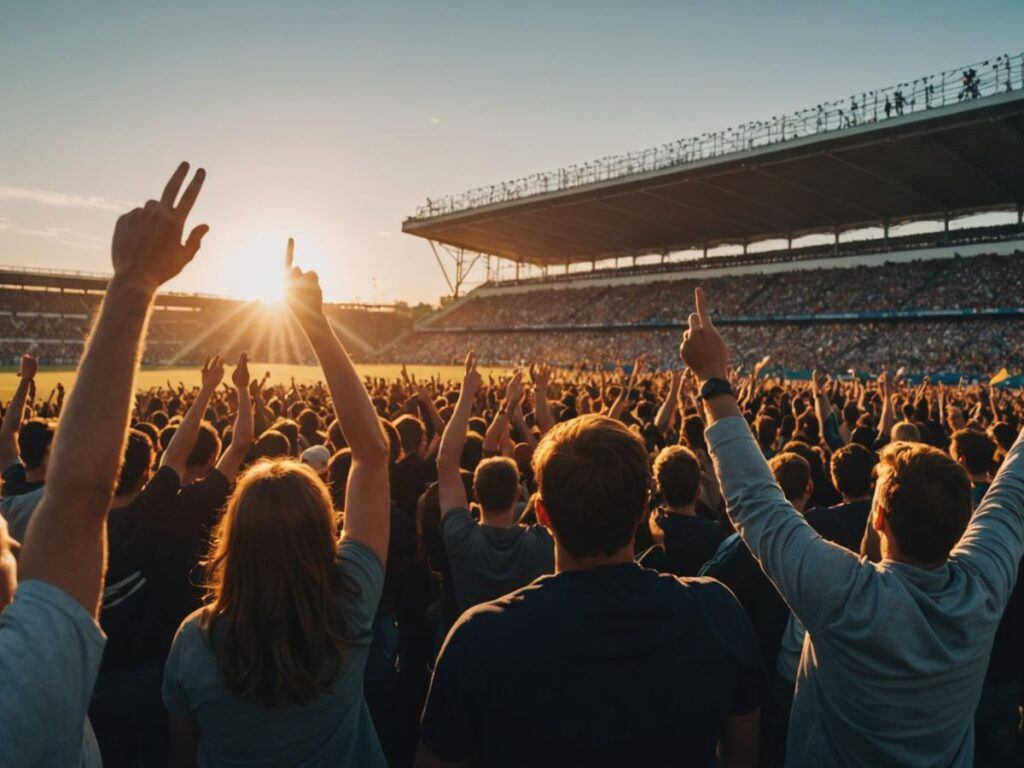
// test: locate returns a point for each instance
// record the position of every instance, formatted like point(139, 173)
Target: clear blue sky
point(333, 121)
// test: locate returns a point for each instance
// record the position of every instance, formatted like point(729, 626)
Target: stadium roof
point(951, 146)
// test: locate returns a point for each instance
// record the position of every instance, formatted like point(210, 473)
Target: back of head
point(852, 469)
point(337, 476)
point(138, 460)
point(1003, 434)
point(34, 440)
point(693, 430)
point(926, 498)
point(974, 449)
point(496, 483)
point(273, 615)
point(677, 474)
point(472, 452)
point(593, 478)
point(410, 433)
point(905, 431)
point(793, 474)
point(207, 448)
point(767, 429)
point(272, 444)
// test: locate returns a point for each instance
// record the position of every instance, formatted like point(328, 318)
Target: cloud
point(435, 121)
point(54, 199)
point(60, 235)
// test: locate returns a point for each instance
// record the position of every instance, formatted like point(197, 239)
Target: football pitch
point(48, 377)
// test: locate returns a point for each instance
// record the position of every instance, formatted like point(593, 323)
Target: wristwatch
point(715, 388)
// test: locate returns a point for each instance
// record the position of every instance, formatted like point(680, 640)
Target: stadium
point(707, 454)
point(880, 228)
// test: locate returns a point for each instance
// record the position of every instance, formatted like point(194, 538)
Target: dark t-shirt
point(690, 541)
point(15, 482)
point(843, 524)
point(198, 506)
point(488, 562)
point(409, 478)
point(736, 567)
point(130, 614)
point(616, 665)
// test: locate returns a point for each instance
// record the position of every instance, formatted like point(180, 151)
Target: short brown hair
point(677, 472)
point(793, 474)
point(593, 476)
point(926, 497)
point(975, 447)
point(495, 483)
point(852, 470)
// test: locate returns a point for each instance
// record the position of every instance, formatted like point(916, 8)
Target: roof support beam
point(648, 220)
point(750, 200)
point(736, 222)
point(974, 169)
point(872, 213)
point(903, 189)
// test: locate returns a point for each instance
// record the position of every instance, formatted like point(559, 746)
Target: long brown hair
point(273, 615)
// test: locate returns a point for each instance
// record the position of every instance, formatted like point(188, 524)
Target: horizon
point(334, 124)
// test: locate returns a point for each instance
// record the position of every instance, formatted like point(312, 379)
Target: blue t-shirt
point(50, 649)
point(333, 729)
point(615, 665)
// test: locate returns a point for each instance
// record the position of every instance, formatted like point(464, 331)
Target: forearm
point(86, 454)
point(12, 423)
point(542, 410)
point(524, 429)
point(497, 429)
point(352, 406)
point(187, 433)
point(454, 435)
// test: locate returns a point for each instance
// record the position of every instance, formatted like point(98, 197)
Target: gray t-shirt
point(17, 511)
point(50, 650)
point(333, 729)
point(488, 562)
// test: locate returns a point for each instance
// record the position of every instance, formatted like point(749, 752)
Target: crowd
point(973, 348)
point(186, 330)
point(500, 571)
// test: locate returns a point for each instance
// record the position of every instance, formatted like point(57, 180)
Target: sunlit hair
point(273, 614)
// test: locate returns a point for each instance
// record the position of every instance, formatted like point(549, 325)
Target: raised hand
point(240, 376)
point(213, 372)
point(472, 381)
point(147, 248)
point(29, 366)
point(702, 348)
point(514, 391)
point(302, 289)
point(541, 375)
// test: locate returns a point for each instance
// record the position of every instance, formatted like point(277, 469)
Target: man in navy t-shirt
point(603, 662)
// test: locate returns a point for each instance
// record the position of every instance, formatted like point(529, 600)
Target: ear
point(542, 513)
point(878, 521)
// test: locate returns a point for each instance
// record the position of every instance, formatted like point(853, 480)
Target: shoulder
point(359, 562)
point(457, 519)
point(164, 483)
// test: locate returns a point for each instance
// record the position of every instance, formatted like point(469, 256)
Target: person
point(270, 670)
point(914, 631)
point(50, 643)
point(852, 470)
point(24, 448)
point(974, 450)
point(602, 662)
point(497, 555)
point(684, 540)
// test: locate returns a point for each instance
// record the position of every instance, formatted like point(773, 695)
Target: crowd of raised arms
point(703, 565)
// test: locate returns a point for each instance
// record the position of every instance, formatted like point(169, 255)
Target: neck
point(36, 475)
point(892, 553)
point(123, 499)
point(504, 519)
point(975, 479)
point(566, 562)
point(852, 499)
point(690, 510)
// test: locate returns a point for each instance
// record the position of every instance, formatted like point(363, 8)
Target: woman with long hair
point(270, 671)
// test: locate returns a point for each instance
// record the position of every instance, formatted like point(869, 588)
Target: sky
point(331, 122)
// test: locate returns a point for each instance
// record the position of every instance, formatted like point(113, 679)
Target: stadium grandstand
point(883, 226)
point(49, 313)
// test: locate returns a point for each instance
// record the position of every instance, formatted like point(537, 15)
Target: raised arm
point(16, 412)
point(792, 555)
point(185, 436)
point(66, 540)
point(242, 435)
point(888, 418)
point(827, 423)
point(367, 495)
point(451, 491)
point(663, 421)
point(541, 407)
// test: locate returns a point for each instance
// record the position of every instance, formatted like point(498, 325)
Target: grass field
point(48, 377)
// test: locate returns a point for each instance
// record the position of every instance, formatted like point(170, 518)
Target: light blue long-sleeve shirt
point(895, 655)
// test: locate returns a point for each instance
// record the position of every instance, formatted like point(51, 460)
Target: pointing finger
point(173, 185)
point(289, 254)
point(702, 308)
